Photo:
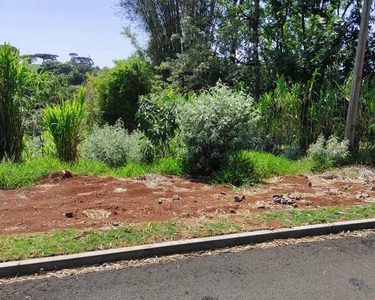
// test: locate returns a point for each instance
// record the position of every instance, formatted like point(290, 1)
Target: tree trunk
point(256, 61)
point(357, 78)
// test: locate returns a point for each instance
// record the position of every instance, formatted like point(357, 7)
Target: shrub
point(13, 80)
point(214, 124)
point(64, 123)
point(238, 170)
point(328, 153)
point(157, 119)
point(118, 89)
point(112, 145)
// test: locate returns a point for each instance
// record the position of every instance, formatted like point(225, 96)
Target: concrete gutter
point(31, 266)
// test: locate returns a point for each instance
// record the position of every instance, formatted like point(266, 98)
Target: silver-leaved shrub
point(329, 152)
point(112, 145)
point(213, 124)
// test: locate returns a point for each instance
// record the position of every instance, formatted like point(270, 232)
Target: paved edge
point(31, 266)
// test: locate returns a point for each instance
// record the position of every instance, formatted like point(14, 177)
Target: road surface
point(336, 269)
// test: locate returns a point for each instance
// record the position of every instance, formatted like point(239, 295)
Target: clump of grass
point(248, 167)
point(64, 123)
point(267, 165)
point(13, 80)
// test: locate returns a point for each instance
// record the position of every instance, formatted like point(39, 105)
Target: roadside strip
point(31, 266)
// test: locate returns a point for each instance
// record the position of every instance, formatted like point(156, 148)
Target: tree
point(357, 79)
point(118, 89)
point(46, 57)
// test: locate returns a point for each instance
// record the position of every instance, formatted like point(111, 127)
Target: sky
point(86, 27)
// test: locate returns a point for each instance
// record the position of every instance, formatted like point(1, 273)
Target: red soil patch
point(100, 202)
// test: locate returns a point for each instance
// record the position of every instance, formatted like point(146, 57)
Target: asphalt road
point(337, 269)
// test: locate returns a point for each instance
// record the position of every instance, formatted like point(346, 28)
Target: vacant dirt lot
point(88, 201)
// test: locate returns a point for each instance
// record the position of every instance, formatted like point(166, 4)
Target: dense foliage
point(118, 90)
point(13, 82)
point(157, 116)
point(214, 124)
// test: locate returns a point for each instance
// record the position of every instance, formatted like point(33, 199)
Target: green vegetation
point(22, 246)
point(13, 82)
point(249, 167)
point(117, 90)
point(64, 124)
point(14, 175)
point(215, 123)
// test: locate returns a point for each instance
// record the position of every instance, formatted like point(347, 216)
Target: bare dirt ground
point(88, 201)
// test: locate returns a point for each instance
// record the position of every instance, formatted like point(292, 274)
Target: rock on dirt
point(333, 192)
point(261, 205)
point(277, 198)
point(238, 198)
point(68, 215)
point(175, 197)
point(160, 201)
point(120, 190)
point(362, 196)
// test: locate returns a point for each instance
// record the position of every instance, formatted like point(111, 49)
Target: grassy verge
point(22, 246)
point(255, 165)
point(14, 175)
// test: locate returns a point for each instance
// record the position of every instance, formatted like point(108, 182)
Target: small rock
point(185, 214)
point(362, 196)
point(66, 174)
point(223, 193)
point(239, 198)
point(120, 190)
point(309, 185)
point(294, 205)
point(284, 201)
point(277, 198)
point(290, 201)
point(232, 211)
point(261, 205)
point(42, 271)
point(333, 192)
point(160, 201)
point(295, 196)
point(175, 197)
point(68, 215)
point(116, 224)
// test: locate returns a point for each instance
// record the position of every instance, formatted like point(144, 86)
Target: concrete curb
point(31, 266)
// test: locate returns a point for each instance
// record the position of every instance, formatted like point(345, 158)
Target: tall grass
point(13, 80)
point(64, 123)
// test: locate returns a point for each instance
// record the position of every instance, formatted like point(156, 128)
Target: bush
point(238, 170)
point(64, 123)
point(328, 153)
point(214, 124)
point(157, 119)
point(118, 89)
point(112, 145)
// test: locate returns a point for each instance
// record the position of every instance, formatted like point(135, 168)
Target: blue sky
point(87, 27)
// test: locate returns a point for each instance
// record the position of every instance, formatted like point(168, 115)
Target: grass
point(248, 167)
point(22, 246)
point(261, 166)
point(14, 175)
